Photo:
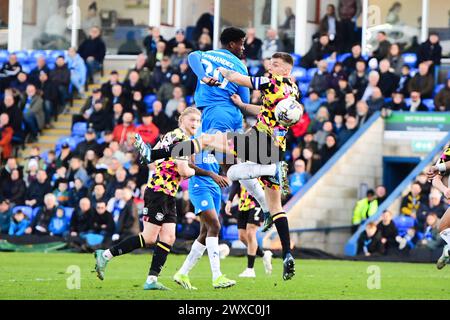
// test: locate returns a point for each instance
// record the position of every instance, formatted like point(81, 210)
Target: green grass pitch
point(44, 277)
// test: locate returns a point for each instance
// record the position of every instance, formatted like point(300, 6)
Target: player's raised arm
point(195, 62)
point(236, 77)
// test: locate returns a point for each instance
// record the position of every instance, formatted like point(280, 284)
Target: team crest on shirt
point(145, 211)
point(159, 216)
point(204, 203)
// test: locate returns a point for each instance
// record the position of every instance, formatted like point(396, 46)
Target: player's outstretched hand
point(432, 172)
point(221, 181)
point(236, 100)
point(212, 82)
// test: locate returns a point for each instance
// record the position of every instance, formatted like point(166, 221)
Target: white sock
point(194, 256)
point(108, 255)
point(255, 189)
point(152, 279)
point(247, 171)
point(212, 244)
point(445, 235)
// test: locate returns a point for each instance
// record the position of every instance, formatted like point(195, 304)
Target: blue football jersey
point(206, 161)
point(206, 96)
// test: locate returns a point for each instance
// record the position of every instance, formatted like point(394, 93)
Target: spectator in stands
point(93, 52)
point(431, 238)
point(204, 43)
point(351, 126)
point(405, 78)
point(313, 103)
point(422, 82)
point(9, 71)
point(5, 215)
point(92, 19)
point(271, 44)
point(364, 209)
point(59, 226)
point(381, 194)
point(350, 62)
point(188, 78)
point(397, 103)
point(369, 242)
point(78, 192)
point(179, 56)
point(311, 159)
point(152, 39)
point(118, 182)
point(11, 108)
point(161, 74)
point(331, 25)
point(148, 131)
point(120, 131)
point(90, 162)
point(77, 69)
point(389, 81)
point(81, 218)
point(320, 50)
point(396, 59)
point(15, 189)
point(205, 24)
point(412, 201)
point(6, 136)
point(388, 232)
point(298, 130)
point(374, 78)
point(6, 171)
point(76, 170)
point(62, 192)
point(37, 190)
point(33, 113)
point(118, 97)
point(299, 178)
point(133, 84)
point(144, 68)
point(160, 118)
point(322, 115)
point(384, 45)
point(173, 103)
point(127, 223)
point(40, 224)
point(98, 195)
point(430, 51)
point(88, 107)
point(102, 223)
point(359, 79)
point(19, 84)
point(173, 121)
point(107, 139)
point(329, 148)
point(19, 224)
point(180, 37)
point(99, 121)
point(65, 156)
point(50, 96)
point(287, 30)
point(363, 113)
point(253, 49)
point(165, 92)
point(190, 228)
point(434, 204)
point(416, 103)
point(89, 143)
point(106, 88)
point(41, 66)
point(442, 99)
point(349, 11)
point(322, 134)
point(376, 100)
point(333, 104)
point(319, 82)
point(60, 76)
point(350, 104)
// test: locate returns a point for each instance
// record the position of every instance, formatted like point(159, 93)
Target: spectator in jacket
point(190, 228)
point(161, 74)
point(388, 80)
point(60, 76)
point(148, 131)
point(106, 88)
point(204, 43)
point(50, 96)
point(416, 103)
point(405, 78)
point(253, 48)
point(119, 97)
point(127, 223)
point(384, 45)
point(81, 218)
point(329, 148)
point(363, 113)
point(78, 70)
point(388, 232)
point(349, 11)
point(102, 222)
point(422, 82)
point(41, 66)
point(188, 78)
point(160, 118)
point(117, 182)
point(121, 131)
point(9, 71)
point(299, 178)
point(33, 113)
point(411, 202)
point(133, 84)
point(434, 204)
point(40, 224)
point(6, 136)
point(179, 56)
point(376, 100)
point(320, 50)
point(37, 190)
point(374, 79)
point(59, 226)
point(431, 238)
point(442, 99)
point(331, 26)
point(180, 38)
point(19, 84)
point(271, 44)
point(396, 59)
point(15, 190)
point(88, 107)
point(364, 209)
point(319, 82)
point(359, 79)
point(19, 224)
point(397, 103)
point(165, 92)
point(350, 62)
point(76, 170)
point(5, 215)
point(100, 120)
point(89, 143)
point(99, 194)
point(62, 192)
point(151, 40)
point(369, 242)
point(93, 52)
point(12, 109)
point(430, 51)
point(78, 192)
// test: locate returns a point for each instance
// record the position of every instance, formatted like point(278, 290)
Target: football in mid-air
point(288, 112)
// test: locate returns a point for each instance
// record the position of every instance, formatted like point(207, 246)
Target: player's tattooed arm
point(250, 109)
point(236, 77)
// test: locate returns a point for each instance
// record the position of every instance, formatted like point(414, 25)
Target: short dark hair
point(382, 32)
point(231, 34)
point(286, 57)
point(370, 193)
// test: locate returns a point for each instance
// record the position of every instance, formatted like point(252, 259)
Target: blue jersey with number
point(219, 111)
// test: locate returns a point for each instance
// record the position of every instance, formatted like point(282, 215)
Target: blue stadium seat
point(300, 73)
point(35, 212)
point(28, 211)
point(253, 71)
point(303, 88)
point(410, 59)
point(413, 72)
point(37, 53)
point(53, 55)
point(297, 59)
point(387, 100)
point(403, 223)
point(189, 100)
point(4, 55)
point(231, 233)
point(342, 57)
point(429, 103)
point(149, 100)
point(311, 73)
point(79, 129)
point(68, 212)
point(438, 88)
point(71, 141)
point(22, 56)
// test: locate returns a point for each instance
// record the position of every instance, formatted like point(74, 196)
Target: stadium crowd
point(94, 176)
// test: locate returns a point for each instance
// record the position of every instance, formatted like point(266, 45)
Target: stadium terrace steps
point(328, 199)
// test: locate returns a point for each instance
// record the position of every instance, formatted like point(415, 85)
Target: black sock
point(250, 261)
point(182, 149)
point(259, 252)
point(128, 245)
point(160, 254)
point(281, 222)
